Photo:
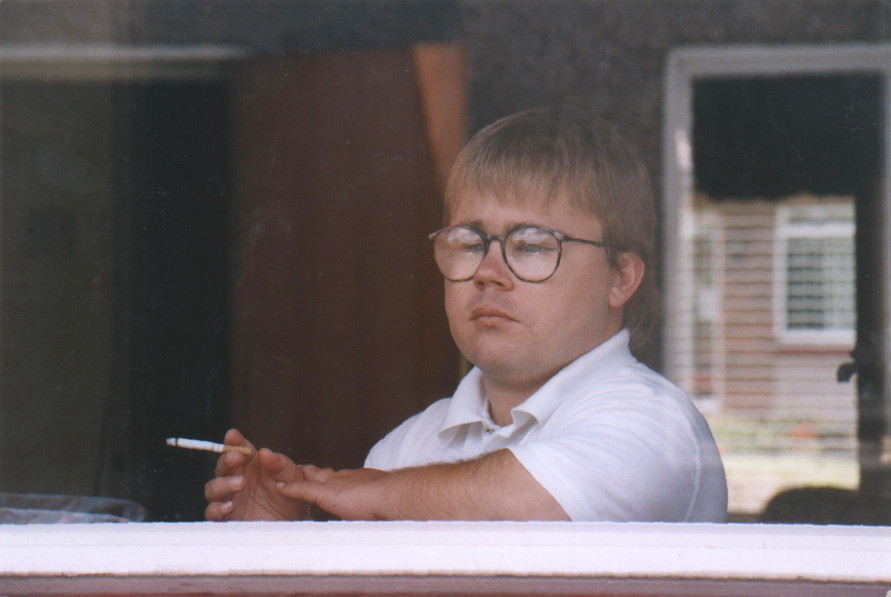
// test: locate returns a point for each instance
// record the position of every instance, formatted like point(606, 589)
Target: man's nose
point(493, 269)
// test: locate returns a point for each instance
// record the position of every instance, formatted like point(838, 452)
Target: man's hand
point(494, 487)
point(350, 494)
point(245, 486)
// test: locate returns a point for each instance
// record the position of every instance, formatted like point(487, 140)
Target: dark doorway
point(115, 288)
point(173, 309)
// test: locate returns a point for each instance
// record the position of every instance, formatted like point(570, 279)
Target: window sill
point(338, 557)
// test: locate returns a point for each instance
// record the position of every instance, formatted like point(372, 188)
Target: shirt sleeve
point(624, 459)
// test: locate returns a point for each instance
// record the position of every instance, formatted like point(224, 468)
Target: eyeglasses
point(532, 253)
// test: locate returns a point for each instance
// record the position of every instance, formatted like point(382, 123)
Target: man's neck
point(504, 397)
point(507, 388)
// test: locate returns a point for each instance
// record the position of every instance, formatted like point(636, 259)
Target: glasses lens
point(459, 251)
point(532, 253)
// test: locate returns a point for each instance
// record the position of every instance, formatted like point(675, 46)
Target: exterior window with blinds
point(817, 291)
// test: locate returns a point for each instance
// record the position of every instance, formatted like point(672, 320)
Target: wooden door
point(339, 330)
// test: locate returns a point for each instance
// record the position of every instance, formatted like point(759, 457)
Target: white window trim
point(842, 339)
point(710, 225)
point(843, 554)
point(685, 66)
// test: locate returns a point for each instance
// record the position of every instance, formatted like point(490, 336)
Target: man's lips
point(488, 313)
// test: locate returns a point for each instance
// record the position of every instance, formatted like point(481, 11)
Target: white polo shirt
point(607, 437)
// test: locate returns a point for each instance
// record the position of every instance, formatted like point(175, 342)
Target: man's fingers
point(316, 474)
point(235, 438)
point(229, 462)
point(281, 468)
point(221, 489)
point(218, 511)
point(298, 490)
point(273, 462)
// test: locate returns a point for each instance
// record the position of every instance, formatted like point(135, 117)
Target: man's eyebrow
point(507, 227)
point(472, 224)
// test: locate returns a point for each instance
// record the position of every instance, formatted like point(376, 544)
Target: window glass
point(770, 391)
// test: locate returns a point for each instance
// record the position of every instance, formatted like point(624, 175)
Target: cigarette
point(197, 444)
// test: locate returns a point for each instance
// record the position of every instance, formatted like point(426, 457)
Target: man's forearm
point(493, 487)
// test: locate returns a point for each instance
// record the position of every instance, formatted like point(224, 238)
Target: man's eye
point(531, 248)
point(471, 247)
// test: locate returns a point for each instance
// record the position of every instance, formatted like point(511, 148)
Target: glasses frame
point(487, 242)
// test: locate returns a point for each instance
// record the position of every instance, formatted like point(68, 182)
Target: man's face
point(521, 333)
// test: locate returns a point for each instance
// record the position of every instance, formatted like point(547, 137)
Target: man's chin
point(496, 363)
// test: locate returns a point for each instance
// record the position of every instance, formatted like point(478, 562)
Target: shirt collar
point(468, 405)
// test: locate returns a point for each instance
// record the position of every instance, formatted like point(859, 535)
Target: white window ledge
point(497, 553)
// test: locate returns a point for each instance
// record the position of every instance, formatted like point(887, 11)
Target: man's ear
point(627, 276)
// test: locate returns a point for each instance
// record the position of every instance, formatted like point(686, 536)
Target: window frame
point(684, 67)
point(191, 554)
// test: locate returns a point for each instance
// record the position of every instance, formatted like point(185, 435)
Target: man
point(549, 230)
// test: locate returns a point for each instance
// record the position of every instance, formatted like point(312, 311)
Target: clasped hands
point(270, 486)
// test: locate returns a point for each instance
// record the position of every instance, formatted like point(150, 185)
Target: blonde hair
point(545, 154)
